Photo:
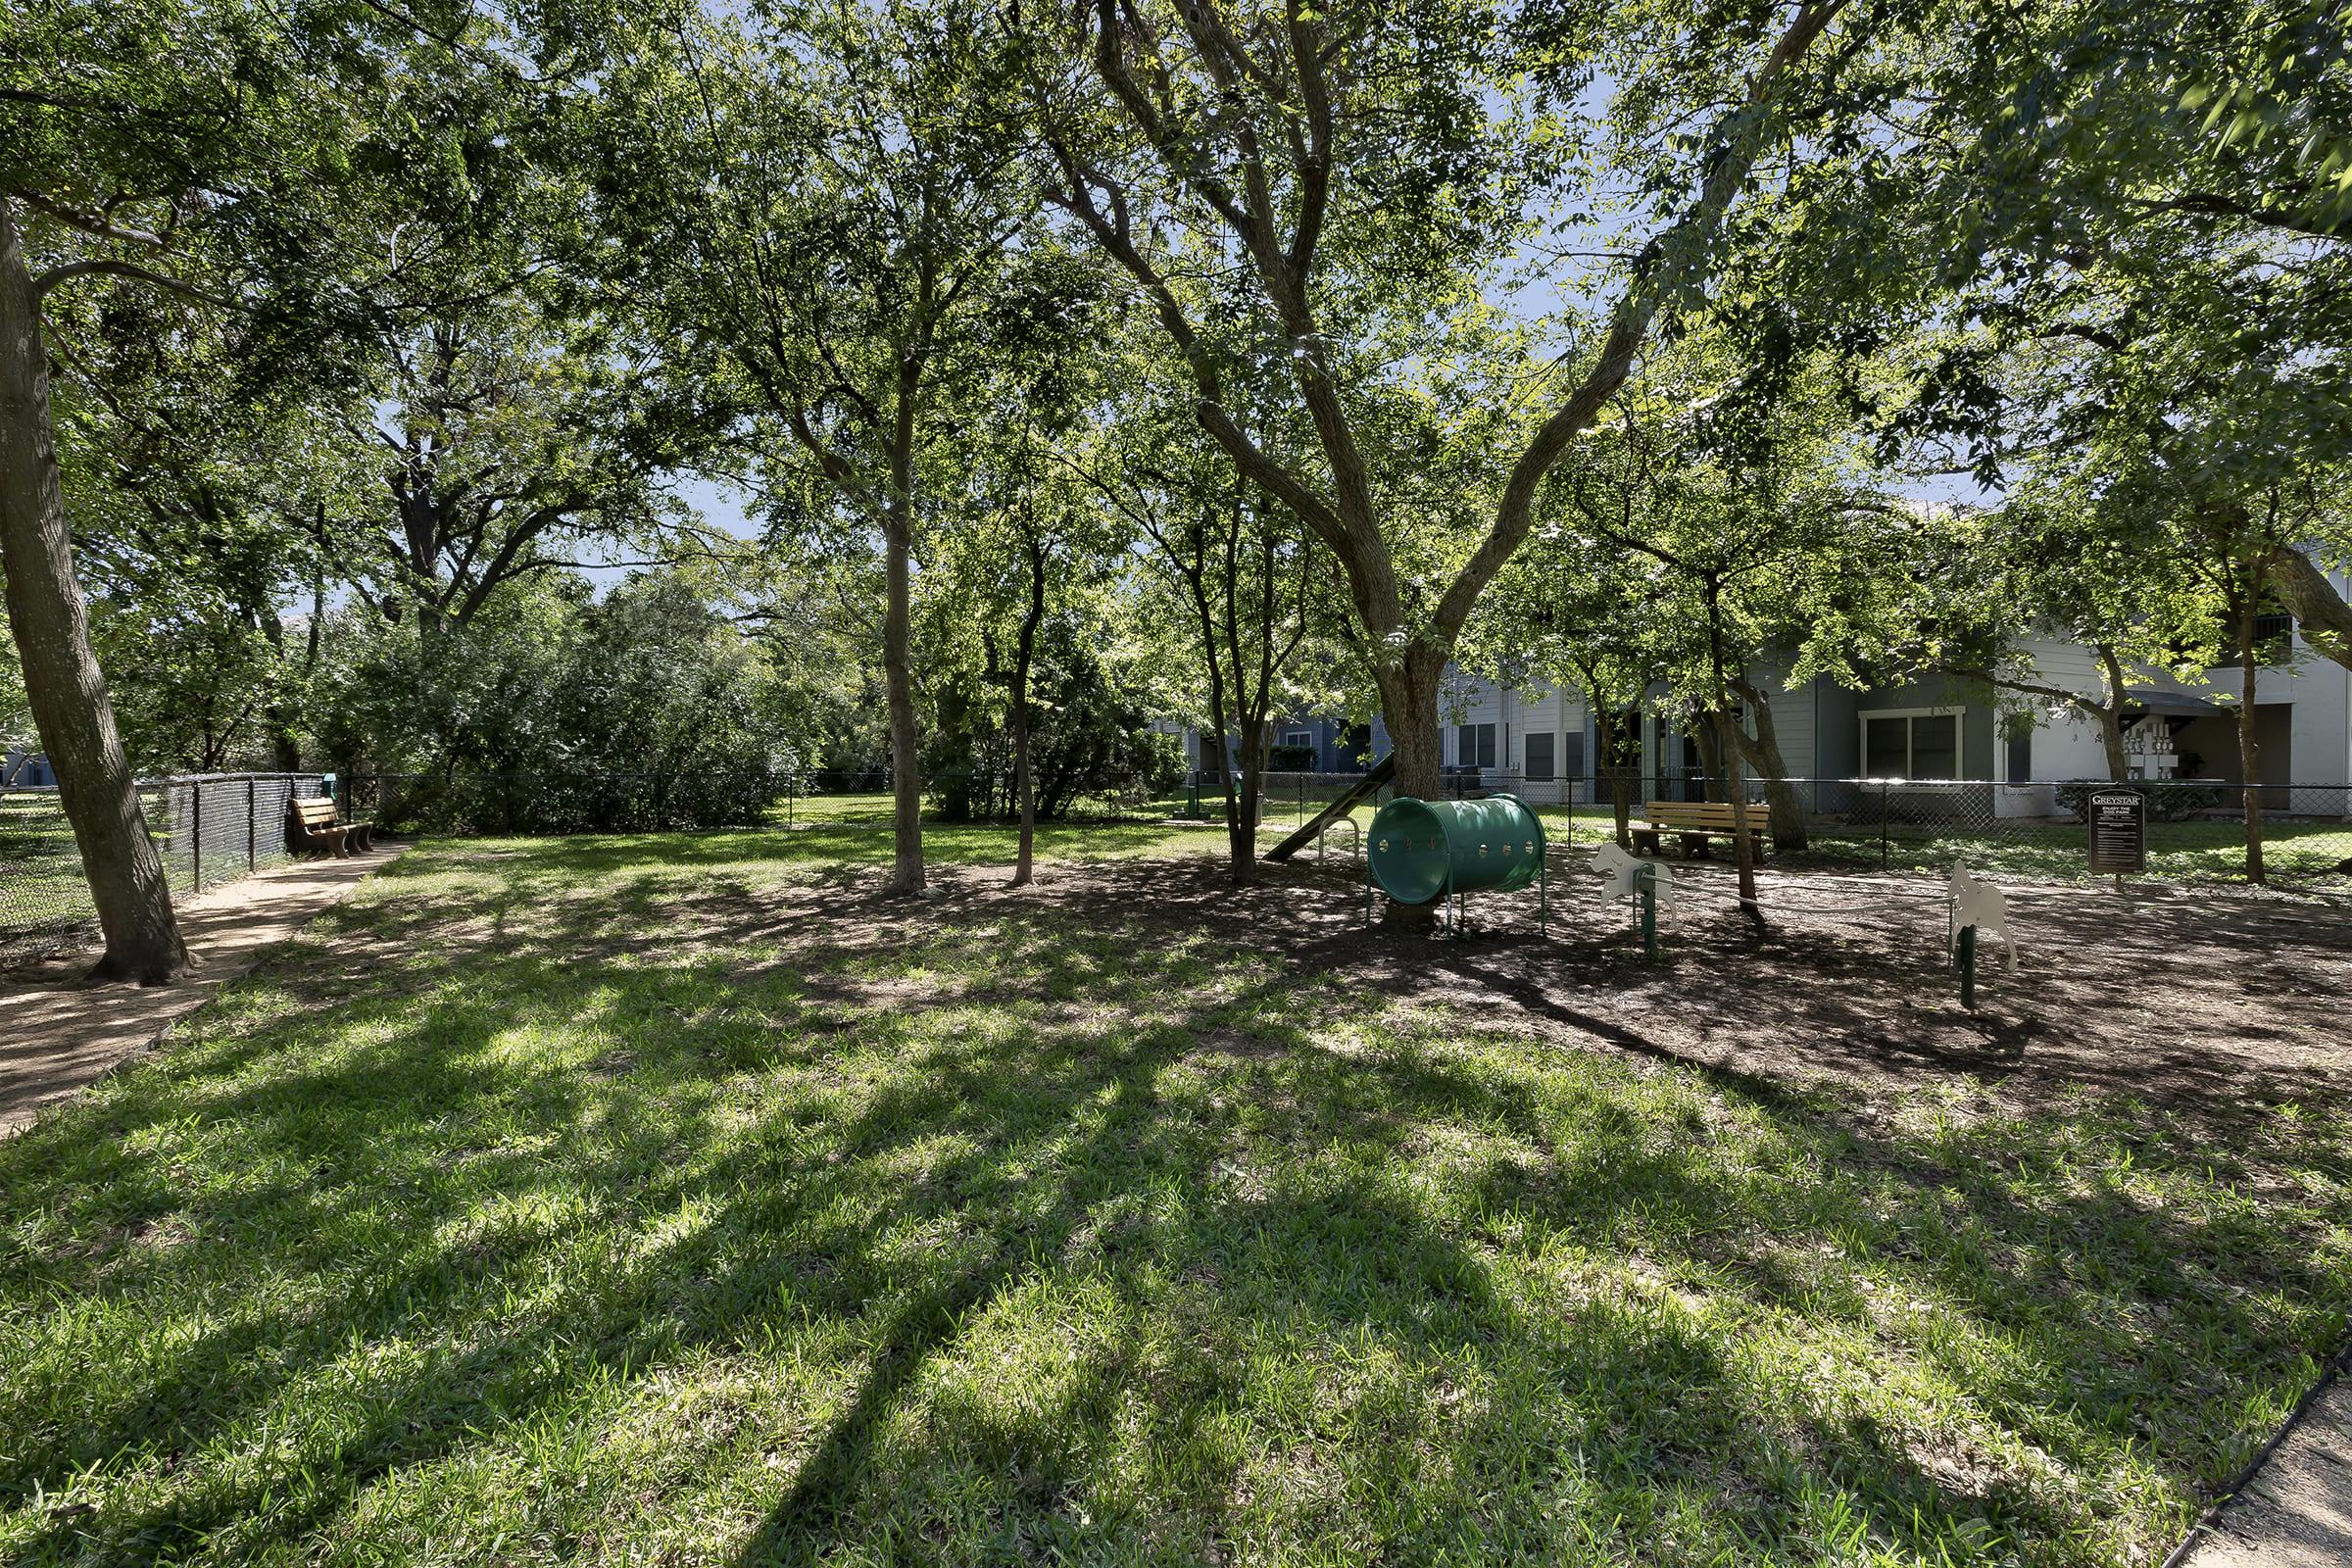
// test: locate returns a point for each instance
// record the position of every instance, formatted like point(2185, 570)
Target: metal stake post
point(1968, 967)
point(1648, 876)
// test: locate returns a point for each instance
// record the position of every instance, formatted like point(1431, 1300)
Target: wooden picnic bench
point(1694, 823)
point(311, 824)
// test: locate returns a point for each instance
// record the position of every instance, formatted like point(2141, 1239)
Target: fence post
point(1885, 790)
point(250, 862)
point(1648, 882)
point(196, 835)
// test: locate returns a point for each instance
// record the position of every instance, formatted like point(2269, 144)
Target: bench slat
point(1695, 820)
point(1694, 813)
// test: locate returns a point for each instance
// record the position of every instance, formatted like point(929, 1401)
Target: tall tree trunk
point(1248, 705)
point(1763, 749)
point(897, 674)
point(1408, 695)
point(1249, 736)
point(1241, 830)
point(1744, 843)
point(2248, 760)
point(1024, 787)
point(1608, 764)
point(2110, 715)
point(2111, 740)
point(62, 684)
point(897, 678)
point(1726, 748)
point(1625, 774)
point(1701, 726)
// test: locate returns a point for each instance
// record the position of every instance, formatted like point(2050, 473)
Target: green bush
point(1090, 737)
point(641, 711)
point(2168, 801)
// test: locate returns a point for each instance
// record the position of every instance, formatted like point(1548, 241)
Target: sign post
point(2119, 833)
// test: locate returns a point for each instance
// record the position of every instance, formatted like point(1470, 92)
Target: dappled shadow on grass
point(651, 1197)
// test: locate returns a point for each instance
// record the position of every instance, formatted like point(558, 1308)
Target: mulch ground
point(2209, 1001)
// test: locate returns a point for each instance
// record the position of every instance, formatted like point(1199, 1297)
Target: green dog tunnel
point(1423, 852)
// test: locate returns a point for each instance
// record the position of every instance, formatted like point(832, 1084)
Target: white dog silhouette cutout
point(1612, 862)
point(1978, 903)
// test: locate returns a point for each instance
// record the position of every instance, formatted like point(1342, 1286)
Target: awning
point(2148, 699)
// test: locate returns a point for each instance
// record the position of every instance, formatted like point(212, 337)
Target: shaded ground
point(680, 1200)
point(2204, 1003)
point(57, 1034)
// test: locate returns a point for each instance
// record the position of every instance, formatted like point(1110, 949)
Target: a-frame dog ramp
point(1361, 790)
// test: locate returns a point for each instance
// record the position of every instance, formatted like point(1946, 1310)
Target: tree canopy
point(1066, 374)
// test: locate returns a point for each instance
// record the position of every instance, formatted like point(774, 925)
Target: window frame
point(1910, 716)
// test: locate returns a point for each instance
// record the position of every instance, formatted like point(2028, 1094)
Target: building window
point(1474, 745)
point(1538, 757)
point(2021, 757)
point(1912, 743)
point(1298, 737)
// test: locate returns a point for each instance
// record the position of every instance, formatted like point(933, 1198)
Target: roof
point(2148, 699)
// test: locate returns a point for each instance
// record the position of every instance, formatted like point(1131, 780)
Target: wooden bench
point(1696, 822)
point(311, 825)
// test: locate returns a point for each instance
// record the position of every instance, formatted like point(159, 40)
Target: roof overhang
point(2148, 699)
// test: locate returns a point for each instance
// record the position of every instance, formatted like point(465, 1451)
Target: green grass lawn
point(670, 1199)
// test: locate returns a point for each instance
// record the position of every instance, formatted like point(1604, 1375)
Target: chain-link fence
point(207, 828)
point(2197, 829)
point(964, 793)
point(599, 801)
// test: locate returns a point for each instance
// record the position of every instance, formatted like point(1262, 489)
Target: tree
point(214, 154)
point(1736, 531)
point(121, 152)
point(1365, 172)
point(2148, 200)
point(554, 709)
point(1573, 616)
point(200, 496)
point(1235, 569)
point(2056, 559)
point(1032, 543)
point(822, 198)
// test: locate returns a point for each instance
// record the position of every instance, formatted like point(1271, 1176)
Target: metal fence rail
point(2196, 827)
point(211, 827)
point(208, 828)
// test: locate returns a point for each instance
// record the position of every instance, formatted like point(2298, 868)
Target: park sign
point(2119, 831)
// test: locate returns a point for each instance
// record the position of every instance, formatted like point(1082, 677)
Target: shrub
point(2169, 800)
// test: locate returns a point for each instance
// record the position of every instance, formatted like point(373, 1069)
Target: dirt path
point(2298, 1507)
point(58, 1035)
